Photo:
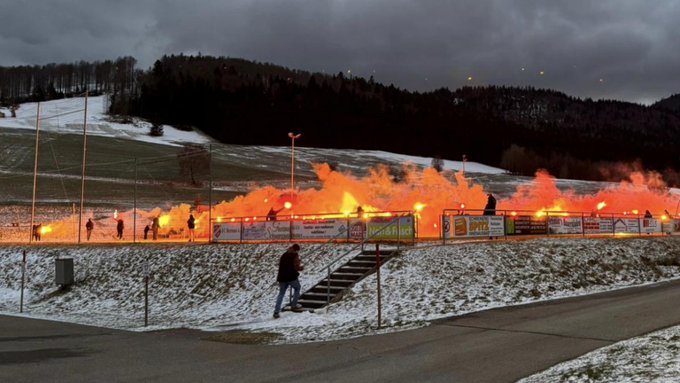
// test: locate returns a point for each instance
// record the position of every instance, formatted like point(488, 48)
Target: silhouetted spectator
point(191, 224)
point(146, 231)
point(89, 226)
point(119, 228)
point(36, 232)
point(271, 215)
point(490, 208)
point(648, 214)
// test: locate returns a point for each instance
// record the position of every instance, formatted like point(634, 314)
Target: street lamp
point(464, 160)
point(292, 161)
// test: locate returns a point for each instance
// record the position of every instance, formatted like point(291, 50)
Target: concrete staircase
point(343, 278)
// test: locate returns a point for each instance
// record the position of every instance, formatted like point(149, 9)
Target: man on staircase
point(289, 268)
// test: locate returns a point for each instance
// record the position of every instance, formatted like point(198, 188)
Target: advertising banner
point(526, 224)
point(265, 231)
point(565, 225)
point(477, 226)
point(357, 229)
point(650, 225)
point(597, 225)
point(626, 225)
point(404, 230)
point(320, 229)
point(227, 231)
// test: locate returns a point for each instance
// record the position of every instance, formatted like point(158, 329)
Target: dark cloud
point(622, 49)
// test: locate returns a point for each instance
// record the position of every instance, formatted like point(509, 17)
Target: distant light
point(287, 205)
point(601, 80)
point(523, 69)
point(469, 78)
point(541, 73)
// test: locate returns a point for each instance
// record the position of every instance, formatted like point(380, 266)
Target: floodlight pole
point(464, 159)
point(35, 171)
point(134, 209)
point(82, 177)
point(210, 223)
point(292, 162)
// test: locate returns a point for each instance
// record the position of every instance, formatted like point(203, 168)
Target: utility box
point(64, 271)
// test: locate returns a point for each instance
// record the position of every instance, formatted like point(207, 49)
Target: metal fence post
point(23, 275)
point(377, 263)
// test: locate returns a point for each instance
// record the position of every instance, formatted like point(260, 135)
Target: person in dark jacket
point(191, 224)
point(36, 231)
point(146, 231)
point(289, 271)
point(119, 228)
point(89, 226)
point(490, 208)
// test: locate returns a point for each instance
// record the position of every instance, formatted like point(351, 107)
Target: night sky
point(615, 49)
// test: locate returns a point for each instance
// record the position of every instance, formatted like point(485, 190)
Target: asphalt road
point(500, 345)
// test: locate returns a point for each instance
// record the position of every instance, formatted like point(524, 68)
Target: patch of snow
point(654, 357)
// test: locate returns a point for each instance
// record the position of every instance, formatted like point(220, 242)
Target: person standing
point(36, 231)
point(89, 226)
point(191, 224)
point(490, 208)
point(119, 228)
point(146, 231)
point(155, 224)
point(289, 271)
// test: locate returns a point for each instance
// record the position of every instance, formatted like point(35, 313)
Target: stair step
point(338, 282)
point(358, 263)
point(311, 303)
point(317, 296)
point(346, 276)
point(382, 252)
point(354, 270)
point(367, 258)
point(323, 287)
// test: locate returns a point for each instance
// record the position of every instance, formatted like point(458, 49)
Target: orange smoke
point(426, 193)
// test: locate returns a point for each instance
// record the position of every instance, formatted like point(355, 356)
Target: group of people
point(153, 227)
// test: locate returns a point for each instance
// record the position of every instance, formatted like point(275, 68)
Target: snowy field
point(231, 287)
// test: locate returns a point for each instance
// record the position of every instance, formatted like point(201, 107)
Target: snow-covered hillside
point(66, 116)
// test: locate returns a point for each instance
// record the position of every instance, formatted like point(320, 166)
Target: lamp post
point(464, 160)
point(292, 161)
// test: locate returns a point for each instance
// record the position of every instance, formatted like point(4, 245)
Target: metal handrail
point(396, 220)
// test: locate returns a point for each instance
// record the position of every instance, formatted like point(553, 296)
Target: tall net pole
point(82, 177)
point(35, 171)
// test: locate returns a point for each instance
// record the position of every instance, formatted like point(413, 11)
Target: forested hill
point(520, 129)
